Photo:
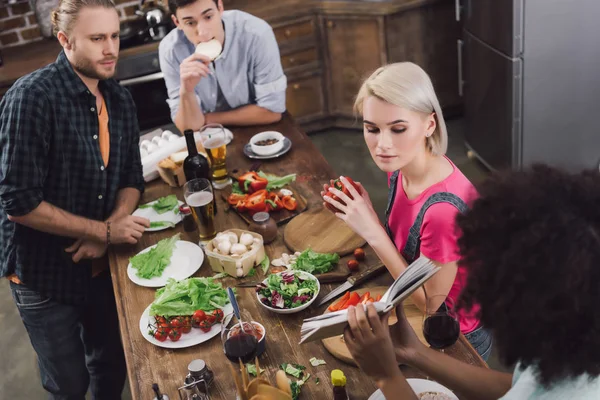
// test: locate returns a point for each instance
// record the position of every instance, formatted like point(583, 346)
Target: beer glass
point(199, 196)
point(214, 141)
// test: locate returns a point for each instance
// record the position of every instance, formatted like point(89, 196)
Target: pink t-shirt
point(439, 233)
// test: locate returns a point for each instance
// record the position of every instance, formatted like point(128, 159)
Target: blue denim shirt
point(248, 71)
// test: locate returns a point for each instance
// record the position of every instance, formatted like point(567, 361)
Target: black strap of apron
point(412, 247)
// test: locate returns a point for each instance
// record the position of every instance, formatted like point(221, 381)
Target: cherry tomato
point(161, 335)
point(359, 254)
point(187, 324)
point(205, 326)
point(175, 335)
point(218, 313)
point(211, 318)
point(198, 317)
point(176, 322)
point(353, 265)
point(159, 319)
point(164, 325)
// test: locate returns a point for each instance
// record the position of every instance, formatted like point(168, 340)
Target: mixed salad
point(286, 290)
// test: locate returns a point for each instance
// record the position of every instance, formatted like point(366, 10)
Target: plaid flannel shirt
point(49, 152)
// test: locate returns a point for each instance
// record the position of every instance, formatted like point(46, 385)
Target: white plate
point(153, 216)
point(187, 258)
point(287, 145)
point(302, 274)
point(420, 386)
point(196, 336)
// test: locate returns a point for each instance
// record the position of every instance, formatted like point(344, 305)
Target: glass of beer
point(214, 140)
point(199, 196)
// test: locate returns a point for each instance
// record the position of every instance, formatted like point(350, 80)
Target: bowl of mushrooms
point(235, 252)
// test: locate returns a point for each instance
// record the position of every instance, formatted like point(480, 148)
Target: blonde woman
point(405, 132)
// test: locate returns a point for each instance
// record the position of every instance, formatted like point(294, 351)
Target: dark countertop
point(22, 60)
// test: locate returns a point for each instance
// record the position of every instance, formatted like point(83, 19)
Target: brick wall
point(18, 24)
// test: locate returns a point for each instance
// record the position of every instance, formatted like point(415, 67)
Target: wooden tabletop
point(148, 364)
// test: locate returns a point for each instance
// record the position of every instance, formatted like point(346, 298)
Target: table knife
point(330, 277)
point(354, 281)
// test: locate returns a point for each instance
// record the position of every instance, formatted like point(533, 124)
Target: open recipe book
point(332, 324)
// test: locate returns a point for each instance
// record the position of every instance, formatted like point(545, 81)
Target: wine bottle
point(195, 164)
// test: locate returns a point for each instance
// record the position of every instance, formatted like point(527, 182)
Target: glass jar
point(263, 224)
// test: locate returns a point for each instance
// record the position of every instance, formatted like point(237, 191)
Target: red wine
point(242, 346)
point(441, 331)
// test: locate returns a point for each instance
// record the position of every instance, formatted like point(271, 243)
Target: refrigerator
point(530, 75)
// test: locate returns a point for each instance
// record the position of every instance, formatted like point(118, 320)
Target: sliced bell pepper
point(364, 298)
point(336, 306)
point(377, 298)
point(289, 203)
point(241, 206)
point(352, 301)
point(369, 301)
point(251, 182)
point(256, 201)
point(277, 203)
point(235, 198)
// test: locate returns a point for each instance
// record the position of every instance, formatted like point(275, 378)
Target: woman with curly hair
point(405, 132)
point(531, 245)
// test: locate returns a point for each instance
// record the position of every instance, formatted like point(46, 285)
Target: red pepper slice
point(275, 199)
point(364, 298)
point(289, 203)
point(251, 182)
point(378, 298)
point(256, 201)
point(235, 198)
point(340, 302)
point(241, 206)
point(352, 301)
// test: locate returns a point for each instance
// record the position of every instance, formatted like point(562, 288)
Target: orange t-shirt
point(101, 264)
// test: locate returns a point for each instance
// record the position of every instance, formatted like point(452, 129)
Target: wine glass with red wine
point(239, 343)
point(440, 326)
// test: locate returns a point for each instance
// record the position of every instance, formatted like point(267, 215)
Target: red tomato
point(164, 325)
point(176, 322)
point(205, 326)
point(175, 335)
point(353, 265)
point(161, 335)
point(187, 325)
point(211, 318)
point(159, 319)
point(218, 313)
point(198, 317)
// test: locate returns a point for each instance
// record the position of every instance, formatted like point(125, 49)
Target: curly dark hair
point(531, 246)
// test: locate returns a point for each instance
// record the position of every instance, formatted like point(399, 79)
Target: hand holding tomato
point(352, 205)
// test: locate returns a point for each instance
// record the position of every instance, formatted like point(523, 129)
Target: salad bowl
point(288, 292)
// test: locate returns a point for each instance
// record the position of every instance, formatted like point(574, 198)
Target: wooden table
point(147, 364)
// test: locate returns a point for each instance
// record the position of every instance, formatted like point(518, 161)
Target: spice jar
point(263, 224)
point(189, 225)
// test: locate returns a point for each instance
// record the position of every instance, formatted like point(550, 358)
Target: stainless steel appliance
point(531, 82)
point(141, 75)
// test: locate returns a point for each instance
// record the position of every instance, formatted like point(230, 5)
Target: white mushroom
point(286, 258)
point(232, 237)
point(238, 249)
point(239, 272)
point(278, 262)
point(224, 247)
point(246, 239)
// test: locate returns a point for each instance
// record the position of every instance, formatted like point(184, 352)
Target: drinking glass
point(440, 326)
point(199, 196)
point(239, 344)
point(214, 140)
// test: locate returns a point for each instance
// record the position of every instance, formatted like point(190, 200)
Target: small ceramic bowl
point(262, 343)
point(269, 149)
point(303, 275)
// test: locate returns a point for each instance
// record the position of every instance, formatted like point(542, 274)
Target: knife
point(354, 281)
point(330, 277)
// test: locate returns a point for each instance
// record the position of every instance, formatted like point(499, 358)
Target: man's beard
point(86, 68)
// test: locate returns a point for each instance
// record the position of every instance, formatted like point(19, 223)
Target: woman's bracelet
point(108, 233)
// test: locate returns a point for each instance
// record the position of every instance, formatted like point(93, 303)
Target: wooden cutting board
point(323, 232)
point(336, 346)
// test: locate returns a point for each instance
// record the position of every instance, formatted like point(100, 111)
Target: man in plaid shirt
point(70, 177)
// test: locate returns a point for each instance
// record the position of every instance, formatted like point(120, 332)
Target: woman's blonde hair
point(65, 15)
point(406, 85)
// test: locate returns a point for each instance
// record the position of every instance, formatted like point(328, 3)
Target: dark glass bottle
point(195, 164)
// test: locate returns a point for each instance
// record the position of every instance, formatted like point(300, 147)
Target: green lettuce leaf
point(152, 263)
point(161, 224)
point(265, 263)
point(186, 296)
point(164, 204)
point(315, 263)
point(277, 182)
